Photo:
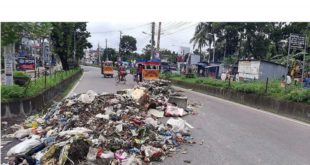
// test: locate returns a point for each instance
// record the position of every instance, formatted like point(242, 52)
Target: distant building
point(184, 50)
point(91, 56)
point(260, 70)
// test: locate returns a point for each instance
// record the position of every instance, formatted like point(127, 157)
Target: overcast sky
point(175, 34)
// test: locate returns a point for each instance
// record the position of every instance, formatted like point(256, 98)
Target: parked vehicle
point(107, 68)
point(150, 70)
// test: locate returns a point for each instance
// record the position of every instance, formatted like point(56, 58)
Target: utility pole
point(120, 38)
point(106, 47)
point(99, 58)
point(303, 61)
point(158, 37)
point(74, 46)
point(287, 60)
point(152, 42)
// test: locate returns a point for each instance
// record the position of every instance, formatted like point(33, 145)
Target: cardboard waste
point(123, 128)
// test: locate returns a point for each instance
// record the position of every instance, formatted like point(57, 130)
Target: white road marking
point(75, 86)
point(245, 106)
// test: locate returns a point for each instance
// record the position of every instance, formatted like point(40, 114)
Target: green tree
point(81, 35)
point(205, 34)
point(128, 46)
point(200, 37)
point(63, 35)
point(13, 32)
point(109, 53)
point(147, 52)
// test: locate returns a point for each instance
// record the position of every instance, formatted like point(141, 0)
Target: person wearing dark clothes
point(140, 68)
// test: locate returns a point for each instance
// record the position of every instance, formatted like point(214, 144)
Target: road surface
point(231, 133)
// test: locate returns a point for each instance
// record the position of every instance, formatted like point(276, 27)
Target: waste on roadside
point(123, 128)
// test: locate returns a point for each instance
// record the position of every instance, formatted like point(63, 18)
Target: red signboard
point(26, 66)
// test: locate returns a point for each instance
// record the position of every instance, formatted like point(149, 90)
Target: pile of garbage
point(123, 128)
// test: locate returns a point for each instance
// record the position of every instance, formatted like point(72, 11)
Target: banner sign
point(9, 69)
point(26, 64)
point(297, 41)
point(150, 74)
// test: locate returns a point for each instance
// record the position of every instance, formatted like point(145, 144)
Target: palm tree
point(204, 35)
point(199, 38)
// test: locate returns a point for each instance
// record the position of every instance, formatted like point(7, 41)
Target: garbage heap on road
point(124, 128)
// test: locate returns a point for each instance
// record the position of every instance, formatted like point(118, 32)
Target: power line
point(126, 29)
point(176, 26)
point(179, 30)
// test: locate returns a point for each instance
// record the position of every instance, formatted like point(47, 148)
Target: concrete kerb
point(24, 107)
point(300, 111)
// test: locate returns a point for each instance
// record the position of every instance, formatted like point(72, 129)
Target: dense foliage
point(66, 37)
point(260, 40)
point(127, 46)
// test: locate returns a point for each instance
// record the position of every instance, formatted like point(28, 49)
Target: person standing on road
point(140, 68)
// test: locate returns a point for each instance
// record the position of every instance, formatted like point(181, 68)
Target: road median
point(24, 106)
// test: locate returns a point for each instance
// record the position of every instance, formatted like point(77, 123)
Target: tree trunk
point(64, 62)
point(209, 51)
point(225, 50)
point(65, 65)
point(213, 51)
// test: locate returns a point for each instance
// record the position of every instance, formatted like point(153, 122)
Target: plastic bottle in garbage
point(36, 149)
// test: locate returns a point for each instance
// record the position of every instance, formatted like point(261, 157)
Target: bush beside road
point(292, 93)
point(35, 86)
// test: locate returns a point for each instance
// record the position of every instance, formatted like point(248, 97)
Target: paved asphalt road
point(232, 133)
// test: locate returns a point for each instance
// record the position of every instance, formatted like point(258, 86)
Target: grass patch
point(35, 87)
point(292, 93)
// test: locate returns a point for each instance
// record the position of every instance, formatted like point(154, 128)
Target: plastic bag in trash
point(119, 128)
point(132, 160)
point(92, 154)
point(174, 111)
point(101, 116)
point(137, 93)
point(107, 155)
point(156, 113)
point(88, 97)
point(64, 154)
point(22, 133)
point(76, 131)
point(151, 121)
point(179, 125)
point(23, 147)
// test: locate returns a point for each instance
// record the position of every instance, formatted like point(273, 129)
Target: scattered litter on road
point(156, 113)
point(4, 123)
point(187, 161)
point(123, 128)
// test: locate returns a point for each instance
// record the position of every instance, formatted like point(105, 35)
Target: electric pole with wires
point(152, 41)
point(158, 37)
point(106, 49)
point(119, 50)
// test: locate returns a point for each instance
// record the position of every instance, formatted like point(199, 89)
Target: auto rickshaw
point(150, 70)
point(107, 68)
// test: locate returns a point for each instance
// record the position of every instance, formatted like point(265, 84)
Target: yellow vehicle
point(150, 70)
point(107, 68)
